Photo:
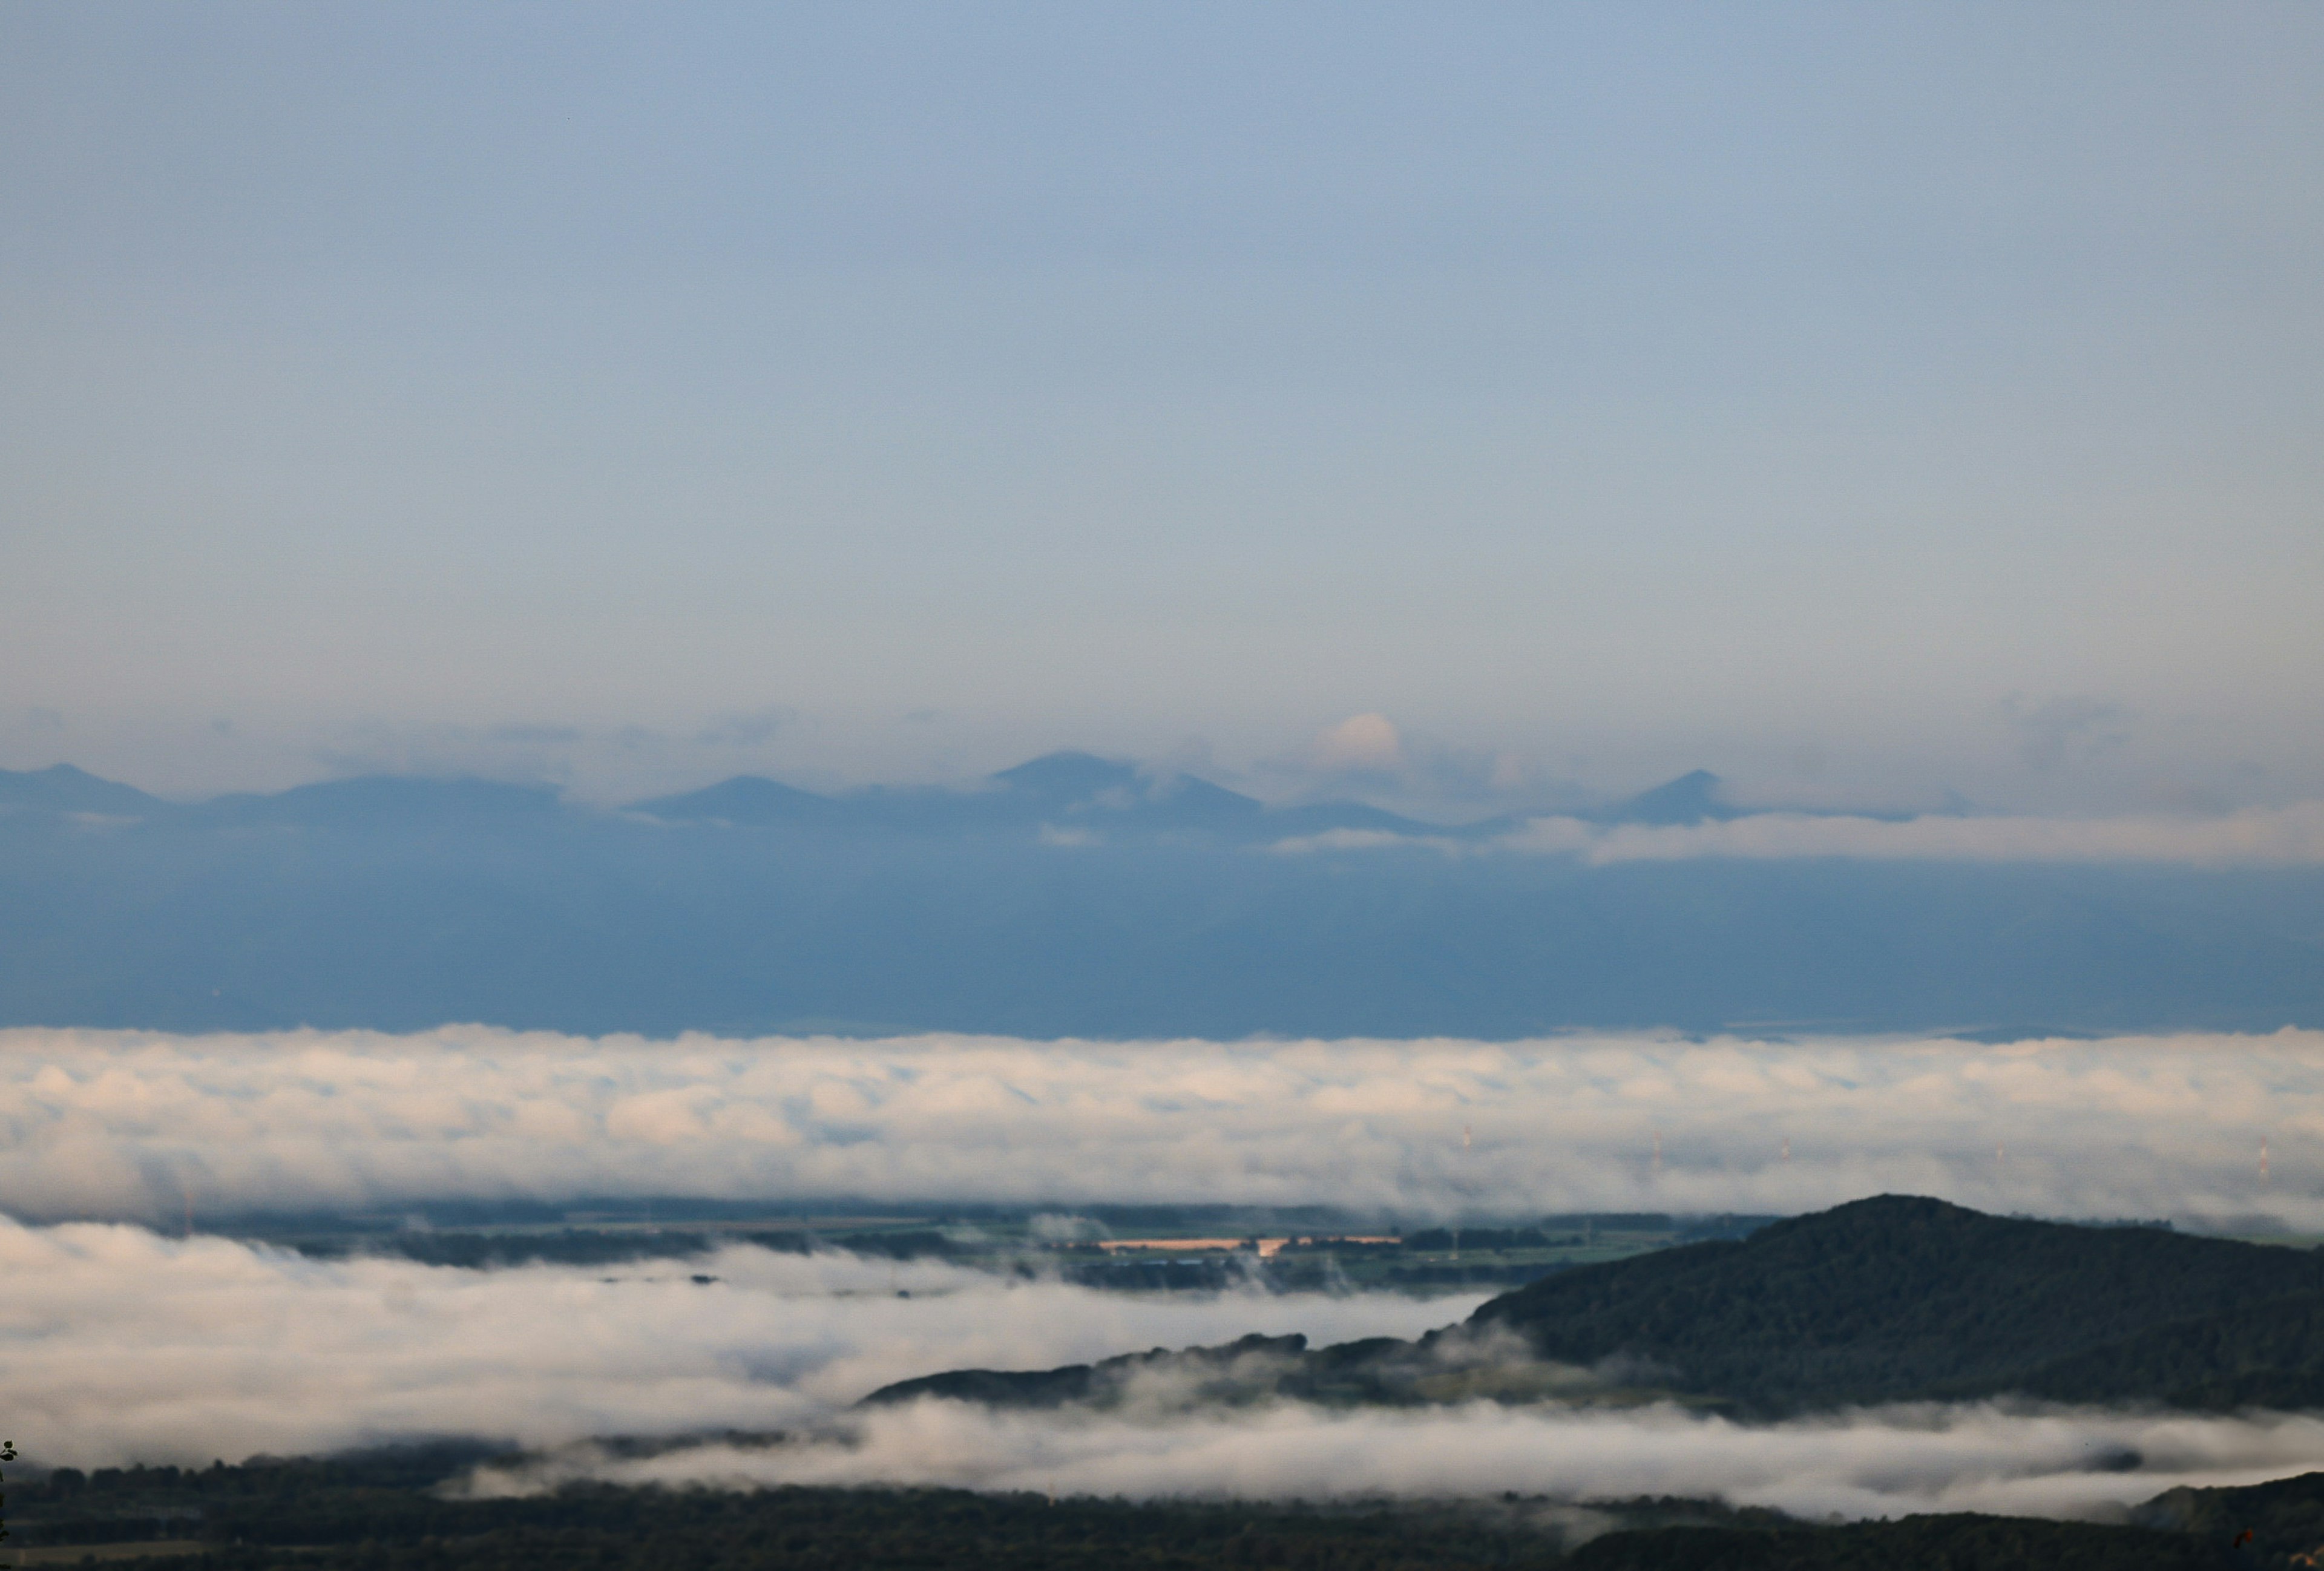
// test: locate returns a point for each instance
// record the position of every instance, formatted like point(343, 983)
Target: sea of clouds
point(136, 1125)
point(119, 1342)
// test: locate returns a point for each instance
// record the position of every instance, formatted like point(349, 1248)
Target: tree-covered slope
point(2284, 1517)
point(1898, 1296)
point(2268, 1355)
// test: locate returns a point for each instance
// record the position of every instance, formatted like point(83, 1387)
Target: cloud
point(2056, 731)
point(1880, 1462)
point(2290, 837)
point(751, 729)
point(117, 1344)
point(2278, 837)
point(1361, 743)
point(1368, 840)
point(132, 1125)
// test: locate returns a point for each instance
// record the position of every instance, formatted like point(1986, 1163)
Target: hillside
point(2285, 1516)
point(1878, 1300)
point(1897, 1297)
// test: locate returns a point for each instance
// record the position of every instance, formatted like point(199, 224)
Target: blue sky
point(1862, 401)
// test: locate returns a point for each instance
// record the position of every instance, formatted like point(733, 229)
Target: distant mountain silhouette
point(1069, 776)
point(1065, 790)
point(1690, 798)
point(62, 789)
point(1071, 896)
point(745, 798)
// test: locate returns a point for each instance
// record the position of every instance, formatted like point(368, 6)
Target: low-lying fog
point(1869, 1463)
point(118, 1344)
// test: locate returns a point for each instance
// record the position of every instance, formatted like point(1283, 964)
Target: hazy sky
point(1858, 401)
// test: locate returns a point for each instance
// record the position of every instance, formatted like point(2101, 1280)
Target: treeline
point(369, 1514)
point(1295, 1268)
point(1476, 1239)
point(385, 1512)
point(1941, 1543)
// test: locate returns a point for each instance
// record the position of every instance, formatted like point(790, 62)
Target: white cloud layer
point(117, 1344)
point(2290, 837)
point(1870, 1463)
point(126, 1124)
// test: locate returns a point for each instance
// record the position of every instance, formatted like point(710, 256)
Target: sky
point(1865, 403)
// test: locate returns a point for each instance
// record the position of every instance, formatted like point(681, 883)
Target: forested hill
point(1898, 1296)
point(2284, 1517)
point(1880, 1300)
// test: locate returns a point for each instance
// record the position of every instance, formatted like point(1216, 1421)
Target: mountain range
point(1065, 790)
point(1072, 896)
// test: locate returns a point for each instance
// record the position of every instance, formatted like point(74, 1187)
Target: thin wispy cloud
point(2290, 836)
point(129, 1124)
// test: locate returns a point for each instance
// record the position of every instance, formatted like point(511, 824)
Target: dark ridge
point(1081, 1383)
point(1896, 1296)
point(2284, 1516)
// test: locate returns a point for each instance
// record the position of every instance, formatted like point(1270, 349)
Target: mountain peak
point(742, 798)
point(62, 789)
point(1690, 799)
point(1070, 775)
